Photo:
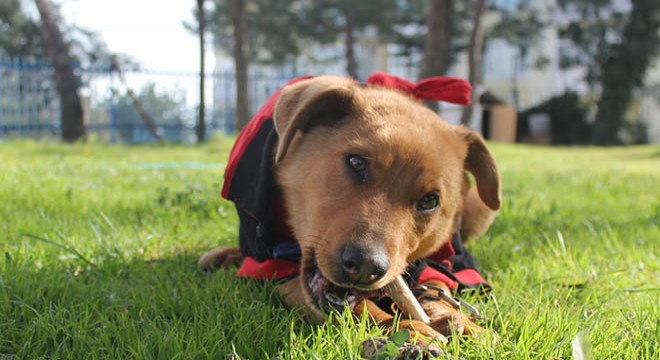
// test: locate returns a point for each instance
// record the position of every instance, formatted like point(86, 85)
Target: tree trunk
point(626, 69)
point(241, 47)
point(201, 120)
point(73, 126)
point(475, 52)
point(436, 45)
point(349, 42)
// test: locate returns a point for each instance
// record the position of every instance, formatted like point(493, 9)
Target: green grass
point(98, 257)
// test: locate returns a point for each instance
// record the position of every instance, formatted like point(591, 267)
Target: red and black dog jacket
point(267, 243)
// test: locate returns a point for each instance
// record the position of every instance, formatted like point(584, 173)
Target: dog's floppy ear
point(482, 165)
point(320, 100)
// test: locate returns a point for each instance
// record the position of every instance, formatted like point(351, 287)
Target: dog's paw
point(421, 333)
point(221, 257)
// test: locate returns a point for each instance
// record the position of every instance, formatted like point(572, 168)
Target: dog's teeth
point(315, 279)
point(334, 299)
point(350, 298)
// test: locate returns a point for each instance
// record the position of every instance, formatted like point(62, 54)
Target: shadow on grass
point(165, 308)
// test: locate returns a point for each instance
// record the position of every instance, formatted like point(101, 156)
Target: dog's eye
point(358, 164)
point(428, 203)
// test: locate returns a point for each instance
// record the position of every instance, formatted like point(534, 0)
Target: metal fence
point(29, 103)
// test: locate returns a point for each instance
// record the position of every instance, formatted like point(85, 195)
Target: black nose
point(361, 267)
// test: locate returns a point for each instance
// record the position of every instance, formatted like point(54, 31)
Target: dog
point(363, 183)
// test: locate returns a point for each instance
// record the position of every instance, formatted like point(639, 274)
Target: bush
point(568, 120)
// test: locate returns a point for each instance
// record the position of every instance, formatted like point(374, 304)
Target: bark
point(73, 126)
point(349, 33)
point(201, 120)
point(437, 43)
point(475, 54)
point(241, 50)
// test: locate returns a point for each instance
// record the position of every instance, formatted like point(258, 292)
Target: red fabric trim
point(443, 254)
point(441, 88)
point(430, 273)
point(271, 269)
point(469, 276)
point(444, 88)
point(249, 132)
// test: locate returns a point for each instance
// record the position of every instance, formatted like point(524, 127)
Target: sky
point(150, 31)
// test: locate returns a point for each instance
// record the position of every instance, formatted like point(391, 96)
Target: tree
point(20, 34)
point(437, 42)
point(274, 29)
point(73, 127)
point(166, 109)
point(592, 27)
point(475, 52)
point(241, 60)
point(201, 30)
point(521, 27)
point(229, 22)
point(625, 69)
point(614, 42)
point(328, 21)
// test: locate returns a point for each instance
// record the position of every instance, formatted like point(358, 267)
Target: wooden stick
point(405, 300)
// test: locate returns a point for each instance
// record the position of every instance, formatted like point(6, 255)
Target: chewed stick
point(405, 300)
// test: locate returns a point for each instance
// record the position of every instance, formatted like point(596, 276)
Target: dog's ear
point(481, 164)
point(305, 104)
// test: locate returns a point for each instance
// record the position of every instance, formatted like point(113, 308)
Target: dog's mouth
point(330, 296)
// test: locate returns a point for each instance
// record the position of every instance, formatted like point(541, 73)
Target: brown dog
point(372, 181)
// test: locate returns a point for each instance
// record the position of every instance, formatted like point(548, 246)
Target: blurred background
point(544, 72)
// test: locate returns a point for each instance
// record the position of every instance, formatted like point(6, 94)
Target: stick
point(405, 300)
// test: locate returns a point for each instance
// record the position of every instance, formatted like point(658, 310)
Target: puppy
point(354, 186)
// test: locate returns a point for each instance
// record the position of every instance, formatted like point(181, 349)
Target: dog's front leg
point(386, 321)
point(221, 257)
point(293, 295)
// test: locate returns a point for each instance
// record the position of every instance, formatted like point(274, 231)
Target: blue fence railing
point(28, 99)
point(29, 103)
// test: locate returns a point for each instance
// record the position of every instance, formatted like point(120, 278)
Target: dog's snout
point(362, 267)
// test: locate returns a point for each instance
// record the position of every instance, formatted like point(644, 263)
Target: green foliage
point(395, 341)
point(625, 69)
point(98, 261)
point(164, 109)
point(281, 30)
point(593, 27)
point(568, 119)
point(521, 26)
point(326, 21)
point(274, 29)
point(19, 34)
point(616, 44)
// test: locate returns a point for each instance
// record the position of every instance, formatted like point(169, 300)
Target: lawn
point(99, 245)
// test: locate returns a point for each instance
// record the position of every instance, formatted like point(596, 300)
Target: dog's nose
point(363, 267)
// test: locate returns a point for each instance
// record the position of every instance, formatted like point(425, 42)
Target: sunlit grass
point(99, 246)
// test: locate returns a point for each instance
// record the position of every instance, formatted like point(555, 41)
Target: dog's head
point(372, 180)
